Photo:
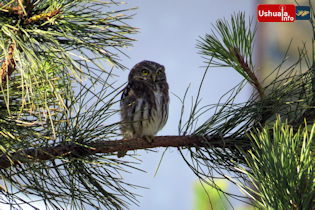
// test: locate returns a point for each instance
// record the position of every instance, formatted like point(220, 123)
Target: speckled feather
point(144, 103)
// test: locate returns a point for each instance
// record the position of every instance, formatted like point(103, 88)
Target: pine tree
point(56, 99)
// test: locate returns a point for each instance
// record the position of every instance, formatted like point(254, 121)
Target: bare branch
point(75, 150)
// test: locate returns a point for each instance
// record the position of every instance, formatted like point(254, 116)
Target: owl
point(144, 102)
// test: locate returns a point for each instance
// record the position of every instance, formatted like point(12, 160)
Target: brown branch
point(23, 5)
point(8, 66)
point(42, 16)
point(75, 150)
point(254, 81)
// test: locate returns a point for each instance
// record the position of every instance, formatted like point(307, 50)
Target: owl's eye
point(145, 72)
point(159, 73)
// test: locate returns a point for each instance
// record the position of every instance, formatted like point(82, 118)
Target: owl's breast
point(156, 115)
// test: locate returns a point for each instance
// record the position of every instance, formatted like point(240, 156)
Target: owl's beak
point(153, 77)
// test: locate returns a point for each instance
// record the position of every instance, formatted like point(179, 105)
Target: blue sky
point(168, 33)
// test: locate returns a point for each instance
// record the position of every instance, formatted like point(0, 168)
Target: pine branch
point(23, 9)
point(253, 79)
point(307, 114)
point(75, 150)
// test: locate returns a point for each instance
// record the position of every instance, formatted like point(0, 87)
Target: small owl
point(144, 102)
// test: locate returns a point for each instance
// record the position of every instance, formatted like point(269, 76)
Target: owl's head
point(148, 71)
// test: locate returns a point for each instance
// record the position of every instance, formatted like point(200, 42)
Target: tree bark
point(76, 150)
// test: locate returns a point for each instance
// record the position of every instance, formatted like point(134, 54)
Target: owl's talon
point(121, 153)
point(149, 139)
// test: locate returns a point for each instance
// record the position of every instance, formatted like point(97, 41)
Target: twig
point(254, 81)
